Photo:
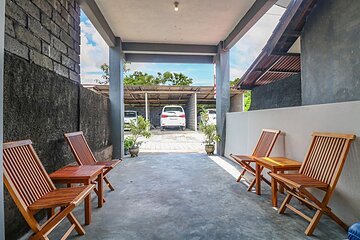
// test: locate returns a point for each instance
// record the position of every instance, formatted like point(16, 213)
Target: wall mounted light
point(176, 6)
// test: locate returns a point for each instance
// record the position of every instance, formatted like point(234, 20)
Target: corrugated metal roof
point(163, 94)
point(274, 62)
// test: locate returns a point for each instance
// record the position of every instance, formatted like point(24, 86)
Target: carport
point(148, 101)
point(196, 33)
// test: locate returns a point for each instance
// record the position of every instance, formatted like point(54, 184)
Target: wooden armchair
point(32, 190)
point(321, 170)
point(263, 148)
point(84, 155)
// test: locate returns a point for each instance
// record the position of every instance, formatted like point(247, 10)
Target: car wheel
point(162, 129)
point(183, 128)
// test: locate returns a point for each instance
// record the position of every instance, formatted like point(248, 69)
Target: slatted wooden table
point(275, 165)
point(85, 175)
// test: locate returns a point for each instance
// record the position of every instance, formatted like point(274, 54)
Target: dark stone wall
point(94, 118)
point(282, 93)
point(45, 32)
point(154, 113)
point(41, 105)
point(330, 55)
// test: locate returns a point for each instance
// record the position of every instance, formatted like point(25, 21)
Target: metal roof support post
point(2, 32)
point(116, 94)
point(146, 106)
point(195, 110)
point(222, 61)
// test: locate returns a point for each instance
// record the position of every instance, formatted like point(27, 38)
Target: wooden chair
point(84, 155)
point(263, 148)
point(321, 169)
point(32, 190)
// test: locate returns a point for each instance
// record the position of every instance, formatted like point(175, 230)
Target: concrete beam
point(257, 10)
point(2, 31)
point(168, 58)
point(222, 61)
point(116, 94)
point(163, 48)
point(93, 12)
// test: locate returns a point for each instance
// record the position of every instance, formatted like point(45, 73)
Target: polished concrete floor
point(189, 196)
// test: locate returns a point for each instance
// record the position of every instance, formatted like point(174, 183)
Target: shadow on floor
point(189, 196)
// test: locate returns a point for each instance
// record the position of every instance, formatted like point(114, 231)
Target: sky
point(95, 52)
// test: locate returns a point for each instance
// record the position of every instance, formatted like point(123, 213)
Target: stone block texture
point(45, 32)
point(282, 93)
point(330, 53)
point(43, 98)
point(154, 113)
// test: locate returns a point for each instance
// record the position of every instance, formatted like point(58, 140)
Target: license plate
point(173, 118)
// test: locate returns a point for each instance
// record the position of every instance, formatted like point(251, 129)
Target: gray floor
point(188, 196)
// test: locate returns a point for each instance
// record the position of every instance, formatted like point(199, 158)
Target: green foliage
point(139, 128)
point(247, 100)
point(140, 78)
point(234, 82)
point(201, 108)
point(176, 79)
point(105, 77)
point(209, 130)
point(129, 142)
point(106, 74)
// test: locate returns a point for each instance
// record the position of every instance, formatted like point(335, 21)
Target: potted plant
point(139, 128)
point(209, 131)
point(128, 143)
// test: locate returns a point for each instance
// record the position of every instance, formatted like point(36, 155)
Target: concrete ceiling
point(155, 21)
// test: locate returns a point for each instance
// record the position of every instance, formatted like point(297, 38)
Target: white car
point(212, 116)
point(128, 117)
point(173, 116)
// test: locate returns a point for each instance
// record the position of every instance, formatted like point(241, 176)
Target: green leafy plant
point(247, 101)
point(139, 128)
point(129, 142)
point(209, 130)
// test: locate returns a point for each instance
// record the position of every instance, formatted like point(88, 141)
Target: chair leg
point(109, 184)
point(78, 228)
point(284, 203)
point(314, 222)
point(241, 175)
point(251, 185)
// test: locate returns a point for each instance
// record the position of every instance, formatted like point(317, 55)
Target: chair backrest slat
point(24, 172)
point(80, 148)
point(265, 143)
point(326, 156)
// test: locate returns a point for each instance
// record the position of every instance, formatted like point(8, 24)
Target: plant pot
point(126, 152)
point(210, 149)
point(134, 152)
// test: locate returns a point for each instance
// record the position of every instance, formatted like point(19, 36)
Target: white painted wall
point(243, 130)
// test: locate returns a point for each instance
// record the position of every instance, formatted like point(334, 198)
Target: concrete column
point(237, 103)
point(222, 60)
point(117, 99)
point(2, 30)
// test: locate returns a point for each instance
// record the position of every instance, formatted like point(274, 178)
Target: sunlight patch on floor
point(226, 166)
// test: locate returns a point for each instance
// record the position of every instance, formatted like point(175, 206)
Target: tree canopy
point(140, 78)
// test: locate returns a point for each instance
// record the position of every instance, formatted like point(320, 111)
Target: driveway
point(173, 141)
